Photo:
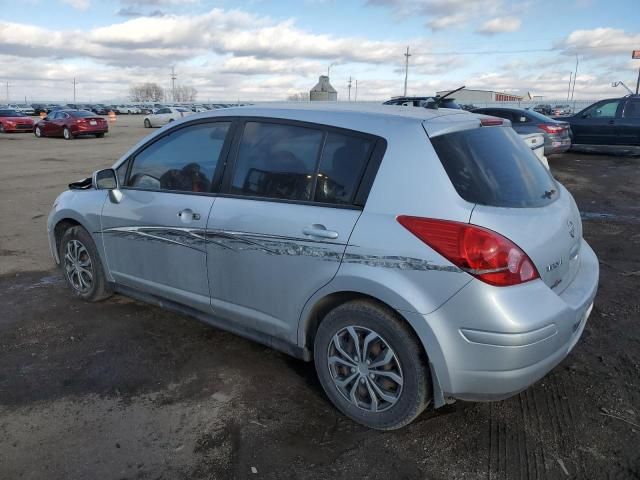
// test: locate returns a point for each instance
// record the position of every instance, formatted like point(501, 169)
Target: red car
point(70, 124)
point(14, 121)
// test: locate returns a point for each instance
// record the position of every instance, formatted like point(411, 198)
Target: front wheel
point(372, 366)
point(147, 123)
point(38, 133)
point(81, 265)
point(66, 133)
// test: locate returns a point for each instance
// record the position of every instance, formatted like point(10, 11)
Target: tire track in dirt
point(539, 442)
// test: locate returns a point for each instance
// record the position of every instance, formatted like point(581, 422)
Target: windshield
point(493, 166)
point(11, 113)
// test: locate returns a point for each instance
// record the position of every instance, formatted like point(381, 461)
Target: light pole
point(569, 88)
point(329, 68)
point(74, 89)
point(406, 70)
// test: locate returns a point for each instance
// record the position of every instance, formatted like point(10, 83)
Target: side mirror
point(105, 179)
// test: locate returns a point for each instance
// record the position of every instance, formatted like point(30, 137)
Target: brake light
point(483, 253)
point(489, 122)
point(551, 128)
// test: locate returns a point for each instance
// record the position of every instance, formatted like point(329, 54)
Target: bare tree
point(146, 92)
point(299, 97)
point(185, 93)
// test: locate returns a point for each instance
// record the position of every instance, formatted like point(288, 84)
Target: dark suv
point(615, 121)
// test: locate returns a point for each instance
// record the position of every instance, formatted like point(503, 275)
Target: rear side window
point(183, 161)
point(632, 109)
point(493, 166)
point(344, 159)
point(277, 161)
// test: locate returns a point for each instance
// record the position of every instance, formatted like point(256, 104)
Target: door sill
point(249, 333)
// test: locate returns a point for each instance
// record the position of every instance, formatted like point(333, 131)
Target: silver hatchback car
point(416, 256)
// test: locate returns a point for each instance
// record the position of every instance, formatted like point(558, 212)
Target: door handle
point(317, 230)
point(187, 214)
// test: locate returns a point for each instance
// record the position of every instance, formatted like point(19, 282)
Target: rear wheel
point(372, 366)
point(1, 128)
point(99, 135)
point(37, 132)
point(81, 265)
point(147, 123)
point(66, 133)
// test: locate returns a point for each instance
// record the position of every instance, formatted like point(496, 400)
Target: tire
point(77, 243)
point(2, 128)
point(66, 133)
point(37, 132)
point(147, 123)
point(99, 135)
point(407, 361)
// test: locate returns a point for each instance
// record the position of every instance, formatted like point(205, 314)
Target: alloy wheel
point(67, 134)
point(365, 369)
point(38, 132)
point(78, 266)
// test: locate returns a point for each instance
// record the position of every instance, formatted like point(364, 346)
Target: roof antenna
point(435, 103)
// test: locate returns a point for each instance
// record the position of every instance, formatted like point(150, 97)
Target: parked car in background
point(415, 255)
point(535, 141)
point(39, 108)
point(14, 121)
point(543, 108)
point(114, 108)
point(562, 110)
point(70, 124)
point(468, 106)
point(557, 134)
point(26, 109)
point(165, 115)
point(100, 109)
point(615, 121)
point(128, 109)
point(425, 102)
point(198, 108)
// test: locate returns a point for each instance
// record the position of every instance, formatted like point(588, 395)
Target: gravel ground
point(123, 390)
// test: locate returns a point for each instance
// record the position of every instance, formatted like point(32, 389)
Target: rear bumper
point(89, 130)
point(495, 342)
point(556, 144)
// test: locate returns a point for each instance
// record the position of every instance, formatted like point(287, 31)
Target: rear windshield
point(493, 166)
point(82, 114)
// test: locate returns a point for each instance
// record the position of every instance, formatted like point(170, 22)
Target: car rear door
point(629, 123)
point(280, 227)
point(154, 237)
point(596, 125)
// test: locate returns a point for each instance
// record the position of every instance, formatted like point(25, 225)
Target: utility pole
point(574, 82)
point(349, 88)
point(7, 92)
point(173, 84)
point(406, 70)
point(569, 88)
point(74, 89)
point(356, 96)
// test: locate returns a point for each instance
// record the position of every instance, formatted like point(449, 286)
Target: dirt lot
point(122, 390)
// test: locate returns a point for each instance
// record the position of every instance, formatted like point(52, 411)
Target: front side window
point(343, 161)
point(183, 161)
point(606, 109)
point(277, 161)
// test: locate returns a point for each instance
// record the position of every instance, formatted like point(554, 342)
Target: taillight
point(483, 253)
point(551, 128)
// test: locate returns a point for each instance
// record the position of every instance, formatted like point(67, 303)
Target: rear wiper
point(549, 193)
point(438, 100)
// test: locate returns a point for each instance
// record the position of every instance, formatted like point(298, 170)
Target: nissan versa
point(415, 255)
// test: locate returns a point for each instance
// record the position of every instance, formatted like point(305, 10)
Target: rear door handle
point(317, 230)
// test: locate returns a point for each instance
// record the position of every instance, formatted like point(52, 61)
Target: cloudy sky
point(267, 50)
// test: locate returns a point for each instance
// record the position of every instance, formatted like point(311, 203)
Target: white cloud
point(599, 42)
point(500, 25)
point(78, 4)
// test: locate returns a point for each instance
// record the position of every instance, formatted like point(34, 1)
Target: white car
point(164, 116)
point(535, 141)
point(24, 108)
point(128, 109)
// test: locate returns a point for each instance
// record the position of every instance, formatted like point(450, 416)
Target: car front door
point(596, 125)
point(629, 123)
point(280, 227)
point(154, 236)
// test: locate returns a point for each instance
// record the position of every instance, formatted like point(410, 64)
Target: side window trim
point(216, 175)
point(367, 176)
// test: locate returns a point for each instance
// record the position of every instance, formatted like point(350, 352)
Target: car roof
point(321, 111)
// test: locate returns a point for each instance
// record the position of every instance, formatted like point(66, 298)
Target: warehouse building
point(467, 95)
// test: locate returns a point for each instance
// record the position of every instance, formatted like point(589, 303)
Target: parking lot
point(123, 390)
